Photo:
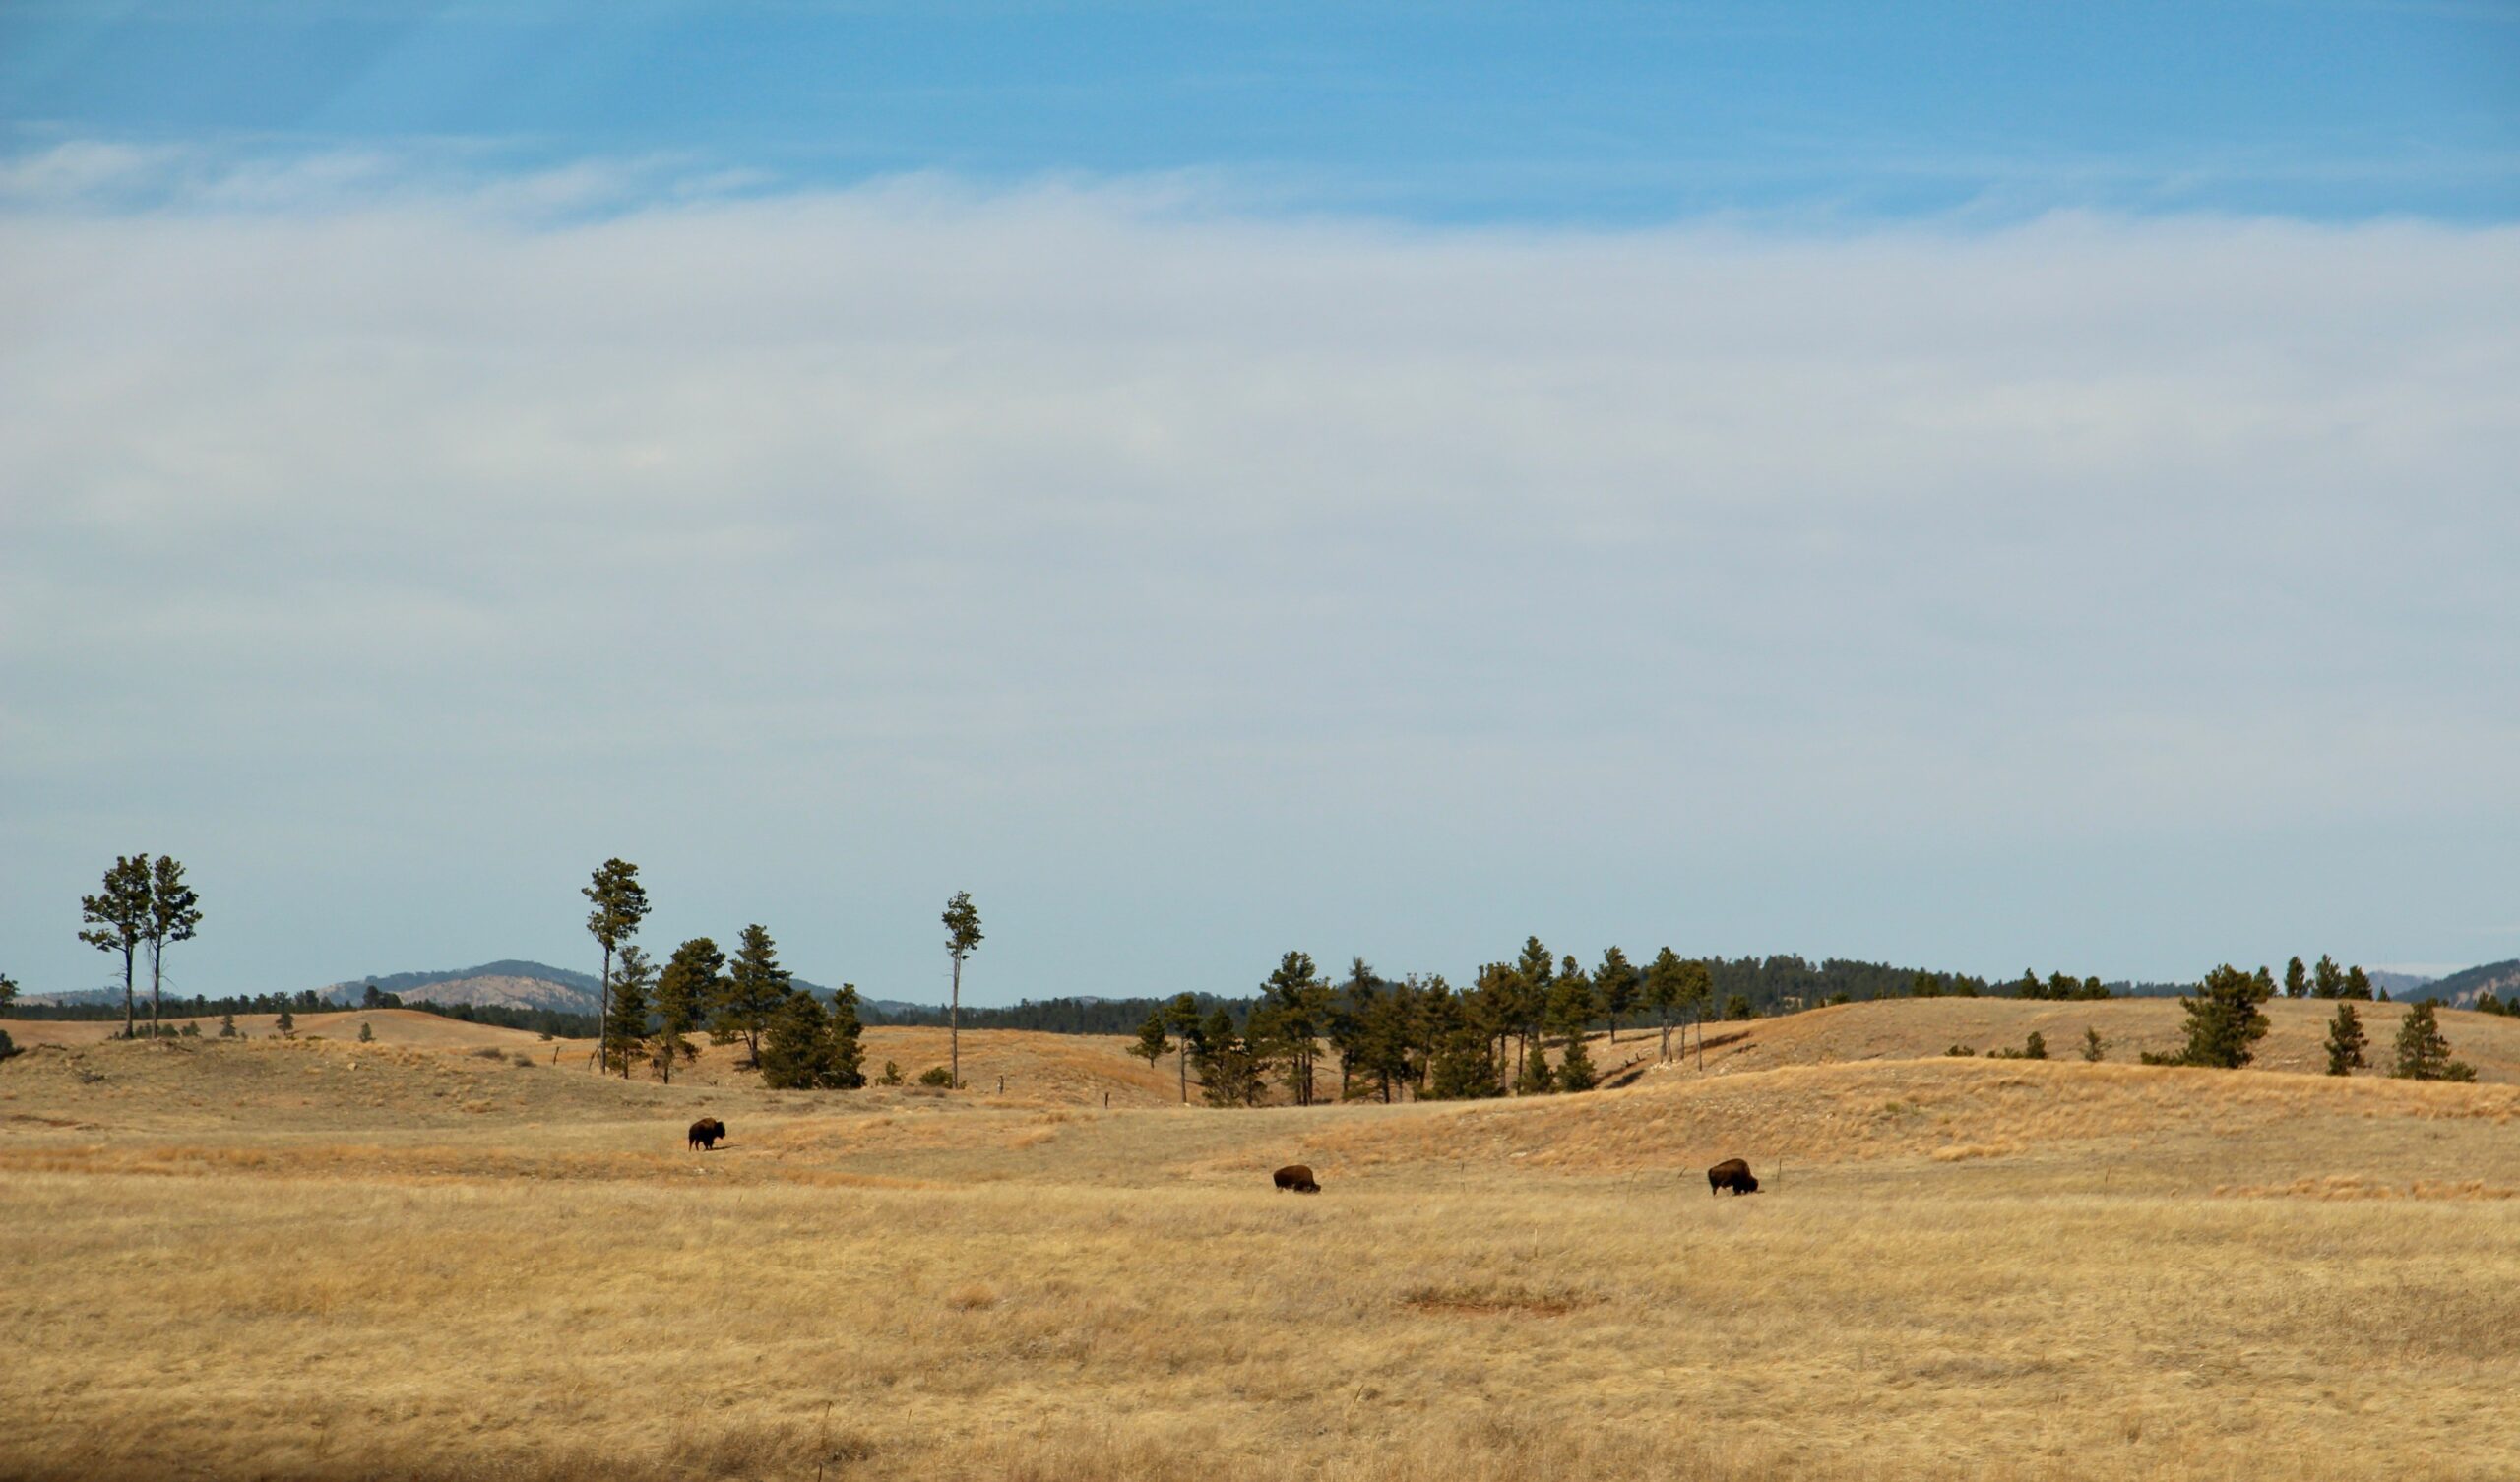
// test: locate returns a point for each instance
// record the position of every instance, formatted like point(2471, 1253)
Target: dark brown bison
point(1297, 1177)
point(1732, 1174)
point(706, 1132)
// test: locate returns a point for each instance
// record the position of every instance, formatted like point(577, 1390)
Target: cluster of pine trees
point(144, 903)
point(1417, 1037)
point(2226, 1018)
point(2326, 981)
point(2423, 1052)
point(649, 1014)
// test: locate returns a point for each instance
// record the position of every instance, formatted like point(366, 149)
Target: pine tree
point(174, 912)
point(1536, 1079)
point(2327, 980)
point(1296, 1005)
point(625, 1025)
point(2358, 984)
point(2345, 1042)
point(2036, 1048)
point(2223, 1020)
point(117, 920)
point(1464, 1067)
point(796, 1051)
point(755, 986)
point(2297, 979)
point(1665, 990)
point(620, 904)
point(1181, 1017)
point(1388, 1036)
point(686, 991)
point(1152, 1044)
point(287, 1024)
point(227, 1026)
point(2094, 1048)
point(1570, 1010)
point(2422, 1053)
point(1615, 983)
point(1227, 1068)
point(847, 1066)
point(1523, 998)
point(962, 938)
point(366, 1033)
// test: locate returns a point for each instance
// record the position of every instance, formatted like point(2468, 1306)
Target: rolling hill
point(2501, 979)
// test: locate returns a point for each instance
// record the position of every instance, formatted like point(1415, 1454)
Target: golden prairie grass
point(1925, 1028)
point(879, 1286)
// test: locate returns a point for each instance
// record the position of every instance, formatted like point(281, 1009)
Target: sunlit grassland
point(887, 1285)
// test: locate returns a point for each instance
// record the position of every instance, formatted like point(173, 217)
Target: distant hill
point(2400, 985)
point(111, 995)
point(2461, 989)
point(509, 983)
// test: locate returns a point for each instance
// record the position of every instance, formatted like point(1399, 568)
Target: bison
point(706, 1132)
point(1297, 1177)
point(1732, 1174)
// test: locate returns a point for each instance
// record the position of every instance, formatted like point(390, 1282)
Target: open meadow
point(441, 1254)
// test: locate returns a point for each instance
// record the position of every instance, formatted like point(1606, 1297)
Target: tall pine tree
point(174, 912)
point(1296, 1005)
point(619, 903)
point(1181, 1017)
point(848, 1069)
point(755, 987)
point(1570, 1012)
point(117, 920)
point(686, 993)
point(963, 937)
point(625, 1024)
point(1616, 984)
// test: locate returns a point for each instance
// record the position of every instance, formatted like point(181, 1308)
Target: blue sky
point(1443, 112)
point(1988, 487)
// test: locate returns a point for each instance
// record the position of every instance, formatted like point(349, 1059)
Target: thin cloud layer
point(2113, 593)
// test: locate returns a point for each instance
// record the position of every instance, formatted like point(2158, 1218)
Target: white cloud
point(1301, 572)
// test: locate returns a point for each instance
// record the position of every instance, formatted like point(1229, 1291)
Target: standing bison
point(706, 1132)
point(1732, 1174)
point(1297, 1177)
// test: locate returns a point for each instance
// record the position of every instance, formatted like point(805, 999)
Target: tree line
point(648, 1013)
point(1420, 1038)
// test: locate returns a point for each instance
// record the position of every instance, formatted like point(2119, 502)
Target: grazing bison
point(706, 1132)
point(1732, 1174)
point(1297, 1177)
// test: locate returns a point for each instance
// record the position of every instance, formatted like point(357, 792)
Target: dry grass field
point(325, 1260)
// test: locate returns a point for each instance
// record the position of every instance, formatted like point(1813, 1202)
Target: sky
point(1980, 487)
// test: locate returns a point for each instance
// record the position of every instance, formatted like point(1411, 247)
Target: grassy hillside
point(320, 1259)
point(1911, 1028)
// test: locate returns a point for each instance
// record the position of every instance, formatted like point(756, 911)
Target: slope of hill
point(1916, 1028)
point(392, 1026)
point(2501, 979)
point(510, 983)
